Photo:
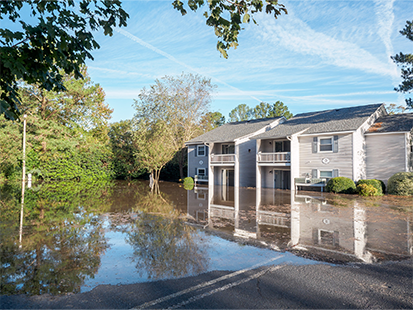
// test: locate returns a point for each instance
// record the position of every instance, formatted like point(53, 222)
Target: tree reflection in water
point(164, 246)
point(62, 240)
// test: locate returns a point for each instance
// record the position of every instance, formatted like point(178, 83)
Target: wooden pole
point(23, 181)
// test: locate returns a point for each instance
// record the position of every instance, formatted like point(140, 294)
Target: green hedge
point(401, 184)
point(377, 184)
point(365, 189)
point(341, 185)
point(189, 183)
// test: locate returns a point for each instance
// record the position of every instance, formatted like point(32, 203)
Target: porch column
point(295, 160)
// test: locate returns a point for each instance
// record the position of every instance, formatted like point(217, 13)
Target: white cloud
point(385, 16)
point(295, 35)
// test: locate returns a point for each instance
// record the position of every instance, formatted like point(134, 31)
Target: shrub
point(377, 184)
point(401, 184)
point(365, 189)
point(341, 185)
point(189, 183)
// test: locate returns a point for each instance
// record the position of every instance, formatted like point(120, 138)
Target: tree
point(405, 61)
point(227, 16)
point(212, 120)
point(61, 39)
point(178, 104)
point(242, 112)
point(394, 109)
point(66, 132)
point(123, 148)
point(279, 109)
point(155, 147)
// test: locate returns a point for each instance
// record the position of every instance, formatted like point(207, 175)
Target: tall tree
point(242, 112)
point(179, 103)
point(279, 109)
point(60, 39)
point(405, 62)
point(212, 120)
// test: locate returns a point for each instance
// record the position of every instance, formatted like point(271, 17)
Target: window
point(326, 144)
point(201, 150)
point(326, 174)
point(201, 172)
point(228, 149)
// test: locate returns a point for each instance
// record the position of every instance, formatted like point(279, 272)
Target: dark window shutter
point(335, 173)
point(315, 144)
point(314, 173)
point(196, 150)
point(335, 144)
point(315, 236)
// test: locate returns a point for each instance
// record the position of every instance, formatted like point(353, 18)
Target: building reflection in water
point(320, 226)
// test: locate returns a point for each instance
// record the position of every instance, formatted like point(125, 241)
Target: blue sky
point(322, 55)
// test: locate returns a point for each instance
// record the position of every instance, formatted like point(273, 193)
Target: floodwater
point(75, 236)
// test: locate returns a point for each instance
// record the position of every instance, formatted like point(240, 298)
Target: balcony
point(278, 158)
point(222, 159)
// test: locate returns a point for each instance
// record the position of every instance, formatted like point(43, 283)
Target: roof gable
point(232, 131)
point(335, 120)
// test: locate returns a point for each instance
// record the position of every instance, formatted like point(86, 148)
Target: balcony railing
point(222, 158)
point(278, 157)
point(201, 178)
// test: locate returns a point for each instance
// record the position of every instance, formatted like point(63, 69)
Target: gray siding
point(342, 160)
point(247, 168)
point(385, 155)
point(193, 160)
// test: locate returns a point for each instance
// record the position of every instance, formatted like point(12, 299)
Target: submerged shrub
point(401, 184)
point(189, 183)
point(341, 185)
point(365, 189)
point(377, 184)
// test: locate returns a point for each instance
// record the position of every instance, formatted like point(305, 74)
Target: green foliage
point(227, 17)
point(189, 183)
point(66, 133)
point(168, 114)
point(377, 184)
point(405, 61)
point(341, 185)
point(366, 190)
point(263, 110)
point(123, 148)
point(60, 37)
point(240, 113)
point(212, 120)
point(401, 184)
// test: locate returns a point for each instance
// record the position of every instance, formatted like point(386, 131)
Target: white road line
point(202, 285)
point(225, 287)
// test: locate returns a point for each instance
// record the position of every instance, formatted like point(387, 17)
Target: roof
point(393, 123)
point(231, 131)
point(336, 120)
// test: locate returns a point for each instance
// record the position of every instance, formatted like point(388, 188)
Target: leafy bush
point(401, 184)
point(365, 189)
point(377, 184)
point(341, 185)
point(189, 183)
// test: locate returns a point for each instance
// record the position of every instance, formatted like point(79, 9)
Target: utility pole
point(23, 180)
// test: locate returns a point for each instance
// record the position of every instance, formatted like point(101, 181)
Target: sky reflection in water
point(77, 236)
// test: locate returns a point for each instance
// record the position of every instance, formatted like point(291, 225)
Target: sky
point(321, 55)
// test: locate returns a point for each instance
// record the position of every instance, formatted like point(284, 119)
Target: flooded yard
point(76, 236)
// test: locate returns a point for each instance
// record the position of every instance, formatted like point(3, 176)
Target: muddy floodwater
point(75, 236)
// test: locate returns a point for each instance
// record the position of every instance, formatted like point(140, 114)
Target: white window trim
point(197, 150)
point(319, 144)
point(201, 196)
point(197, 171)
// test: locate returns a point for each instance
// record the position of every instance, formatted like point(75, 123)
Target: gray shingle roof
point(393, 123)
point(232, 131)
point(336, 120)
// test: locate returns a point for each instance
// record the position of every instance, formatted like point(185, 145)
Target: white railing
point(279, 157)
point(222, 158)
point(201, 178)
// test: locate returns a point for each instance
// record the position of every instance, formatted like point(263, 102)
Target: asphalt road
point(381, 286)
